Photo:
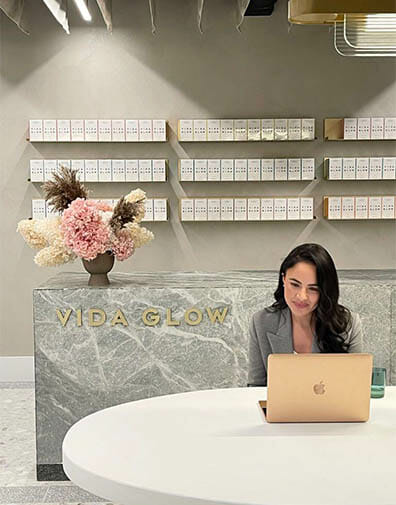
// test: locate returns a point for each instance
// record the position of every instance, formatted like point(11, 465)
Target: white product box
point(227, 129)
point(375, 168)
point(280, 209)
point(390, 128)
point(280, 129)
point(185, 130)
point(294, 169)
point(37, 170)
point(159, 130)
point(335, 168)
point(375, 207)
point(227, 169)
point(91, 171)
point(267, 129)
point(145, 171)
point(281, 169)
point(131, 170)
point(38, 208)
point(253, 209)
point(50, 210)
point(349, 168)
point(186, 170)
point(347, 207)
point(307, 208)
point(389, 168)
point(200, 130)
point(350, 128)
point(200, 170)
point(364, 128)
point(361, 207)
point(240, 170)
point(91, 130)
point(62, 163)
point(308, 129)
point(77, 130)
point(118, 170)
point(377, 128)
point(334, 207)
point(254, 169)
point(267, 209)
point(104, 171)
point(200, 209)
point(148, 210)
point(227, 209)
point(104, 130)
point(213, 129)
point(145, 130)
point(79, 167)
point(308, 169)
point(214, 170)
point(240, 209)
point(293, 209)
point(240, 129)
point(267, 169)
point(160, 209)
point(50, 130)
point(132, 130)
point(362, 168)
point(294, 129)
point(213, 209)
point(388, 207)
point(187, 209)
point(64, 131)
point(159, 170)
point(254, 129)
point(36, 133)
point(118, 130)
point(50, 168)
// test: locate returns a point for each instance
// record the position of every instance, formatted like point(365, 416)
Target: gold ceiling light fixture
point(361, 27)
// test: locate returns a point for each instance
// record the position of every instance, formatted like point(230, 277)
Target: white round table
point(214, 447)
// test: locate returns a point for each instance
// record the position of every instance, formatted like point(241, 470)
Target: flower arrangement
point(85, 228)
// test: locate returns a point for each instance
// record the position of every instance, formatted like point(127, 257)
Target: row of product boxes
point(106, 170)
point(156, 209)
point(256, 169)
point(360, 168)
point(366, 128)
point(359, 207)
point(214, 130)
point(97, 130)
point(246, 209)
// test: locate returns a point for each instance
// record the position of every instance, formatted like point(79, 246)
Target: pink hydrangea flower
point(83, 230)
point(122, 245)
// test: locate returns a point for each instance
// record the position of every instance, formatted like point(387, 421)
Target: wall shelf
point(333, 129)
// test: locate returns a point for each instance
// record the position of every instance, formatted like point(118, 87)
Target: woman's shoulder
point(267, 318)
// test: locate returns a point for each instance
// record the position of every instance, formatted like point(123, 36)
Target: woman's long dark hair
point(332, 319)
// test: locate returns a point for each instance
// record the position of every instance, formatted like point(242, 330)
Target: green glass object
point(378, 381)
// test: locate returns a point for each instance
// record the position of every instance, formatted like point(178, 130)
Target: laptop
point(318, 388)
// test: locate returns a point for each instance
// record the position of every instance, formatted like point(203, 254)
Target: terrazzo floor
point(18, 483)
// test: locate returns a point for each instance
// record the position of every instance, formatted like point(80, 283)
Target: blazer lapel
point(281, 342)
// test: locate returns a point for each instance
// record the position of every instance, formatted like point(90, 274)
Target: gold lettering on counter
point(150, 317)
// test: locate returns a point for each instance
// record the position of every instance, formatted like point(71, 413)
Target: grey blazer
point(271, 333)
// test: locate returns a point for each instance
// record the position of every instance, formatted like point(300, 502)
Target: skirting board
point(16, 369)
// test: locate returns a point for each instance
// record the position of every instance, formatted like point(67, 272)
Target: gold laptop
point(318, 388)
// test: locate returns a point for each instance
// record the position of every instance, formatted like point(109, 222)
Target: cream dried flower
point(139, 234)
point(28, 229)
point(53, 256)
point(137, 196)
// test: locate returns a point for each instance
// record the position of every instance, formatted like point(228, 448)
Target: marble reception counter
point(150, 334)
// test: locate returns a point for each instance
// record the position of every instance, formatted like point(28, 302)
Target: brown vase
point(99, 268)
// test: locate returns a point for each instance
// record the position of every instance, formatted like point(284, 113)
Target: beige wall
point(267, 70)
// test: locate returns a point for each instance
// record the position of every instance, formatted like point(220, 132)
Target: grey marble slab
point(81, 369)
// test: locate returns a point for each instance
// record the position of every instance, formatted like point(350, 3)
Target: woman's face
point(300, 289)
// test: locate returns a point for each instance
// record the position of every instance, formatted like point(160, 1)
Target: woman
point(306, 316)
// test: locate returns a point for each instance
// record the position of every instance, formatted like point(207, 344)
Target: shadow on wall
point(220, 70)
